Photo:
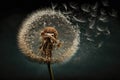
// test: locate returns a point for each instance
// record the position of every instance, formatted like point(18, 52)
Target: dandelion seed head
point(29, 38)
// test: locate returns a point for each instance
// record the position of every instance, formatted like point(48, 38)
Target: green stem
point(50, 71)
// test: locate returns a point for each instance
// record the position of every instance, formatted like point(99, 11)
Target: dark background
point(13, 65)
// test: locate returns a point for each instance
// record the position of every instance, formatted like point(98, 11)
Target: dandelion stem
point(50, 71)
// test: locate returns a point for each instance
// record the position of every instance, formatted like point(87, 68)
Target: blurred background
point(88, 63)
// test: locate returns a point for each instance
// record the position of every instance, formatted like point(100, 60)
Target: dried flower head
point(29, 38)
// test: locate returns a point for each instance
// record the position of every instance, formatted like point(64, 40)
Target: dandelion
point(30, 37)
